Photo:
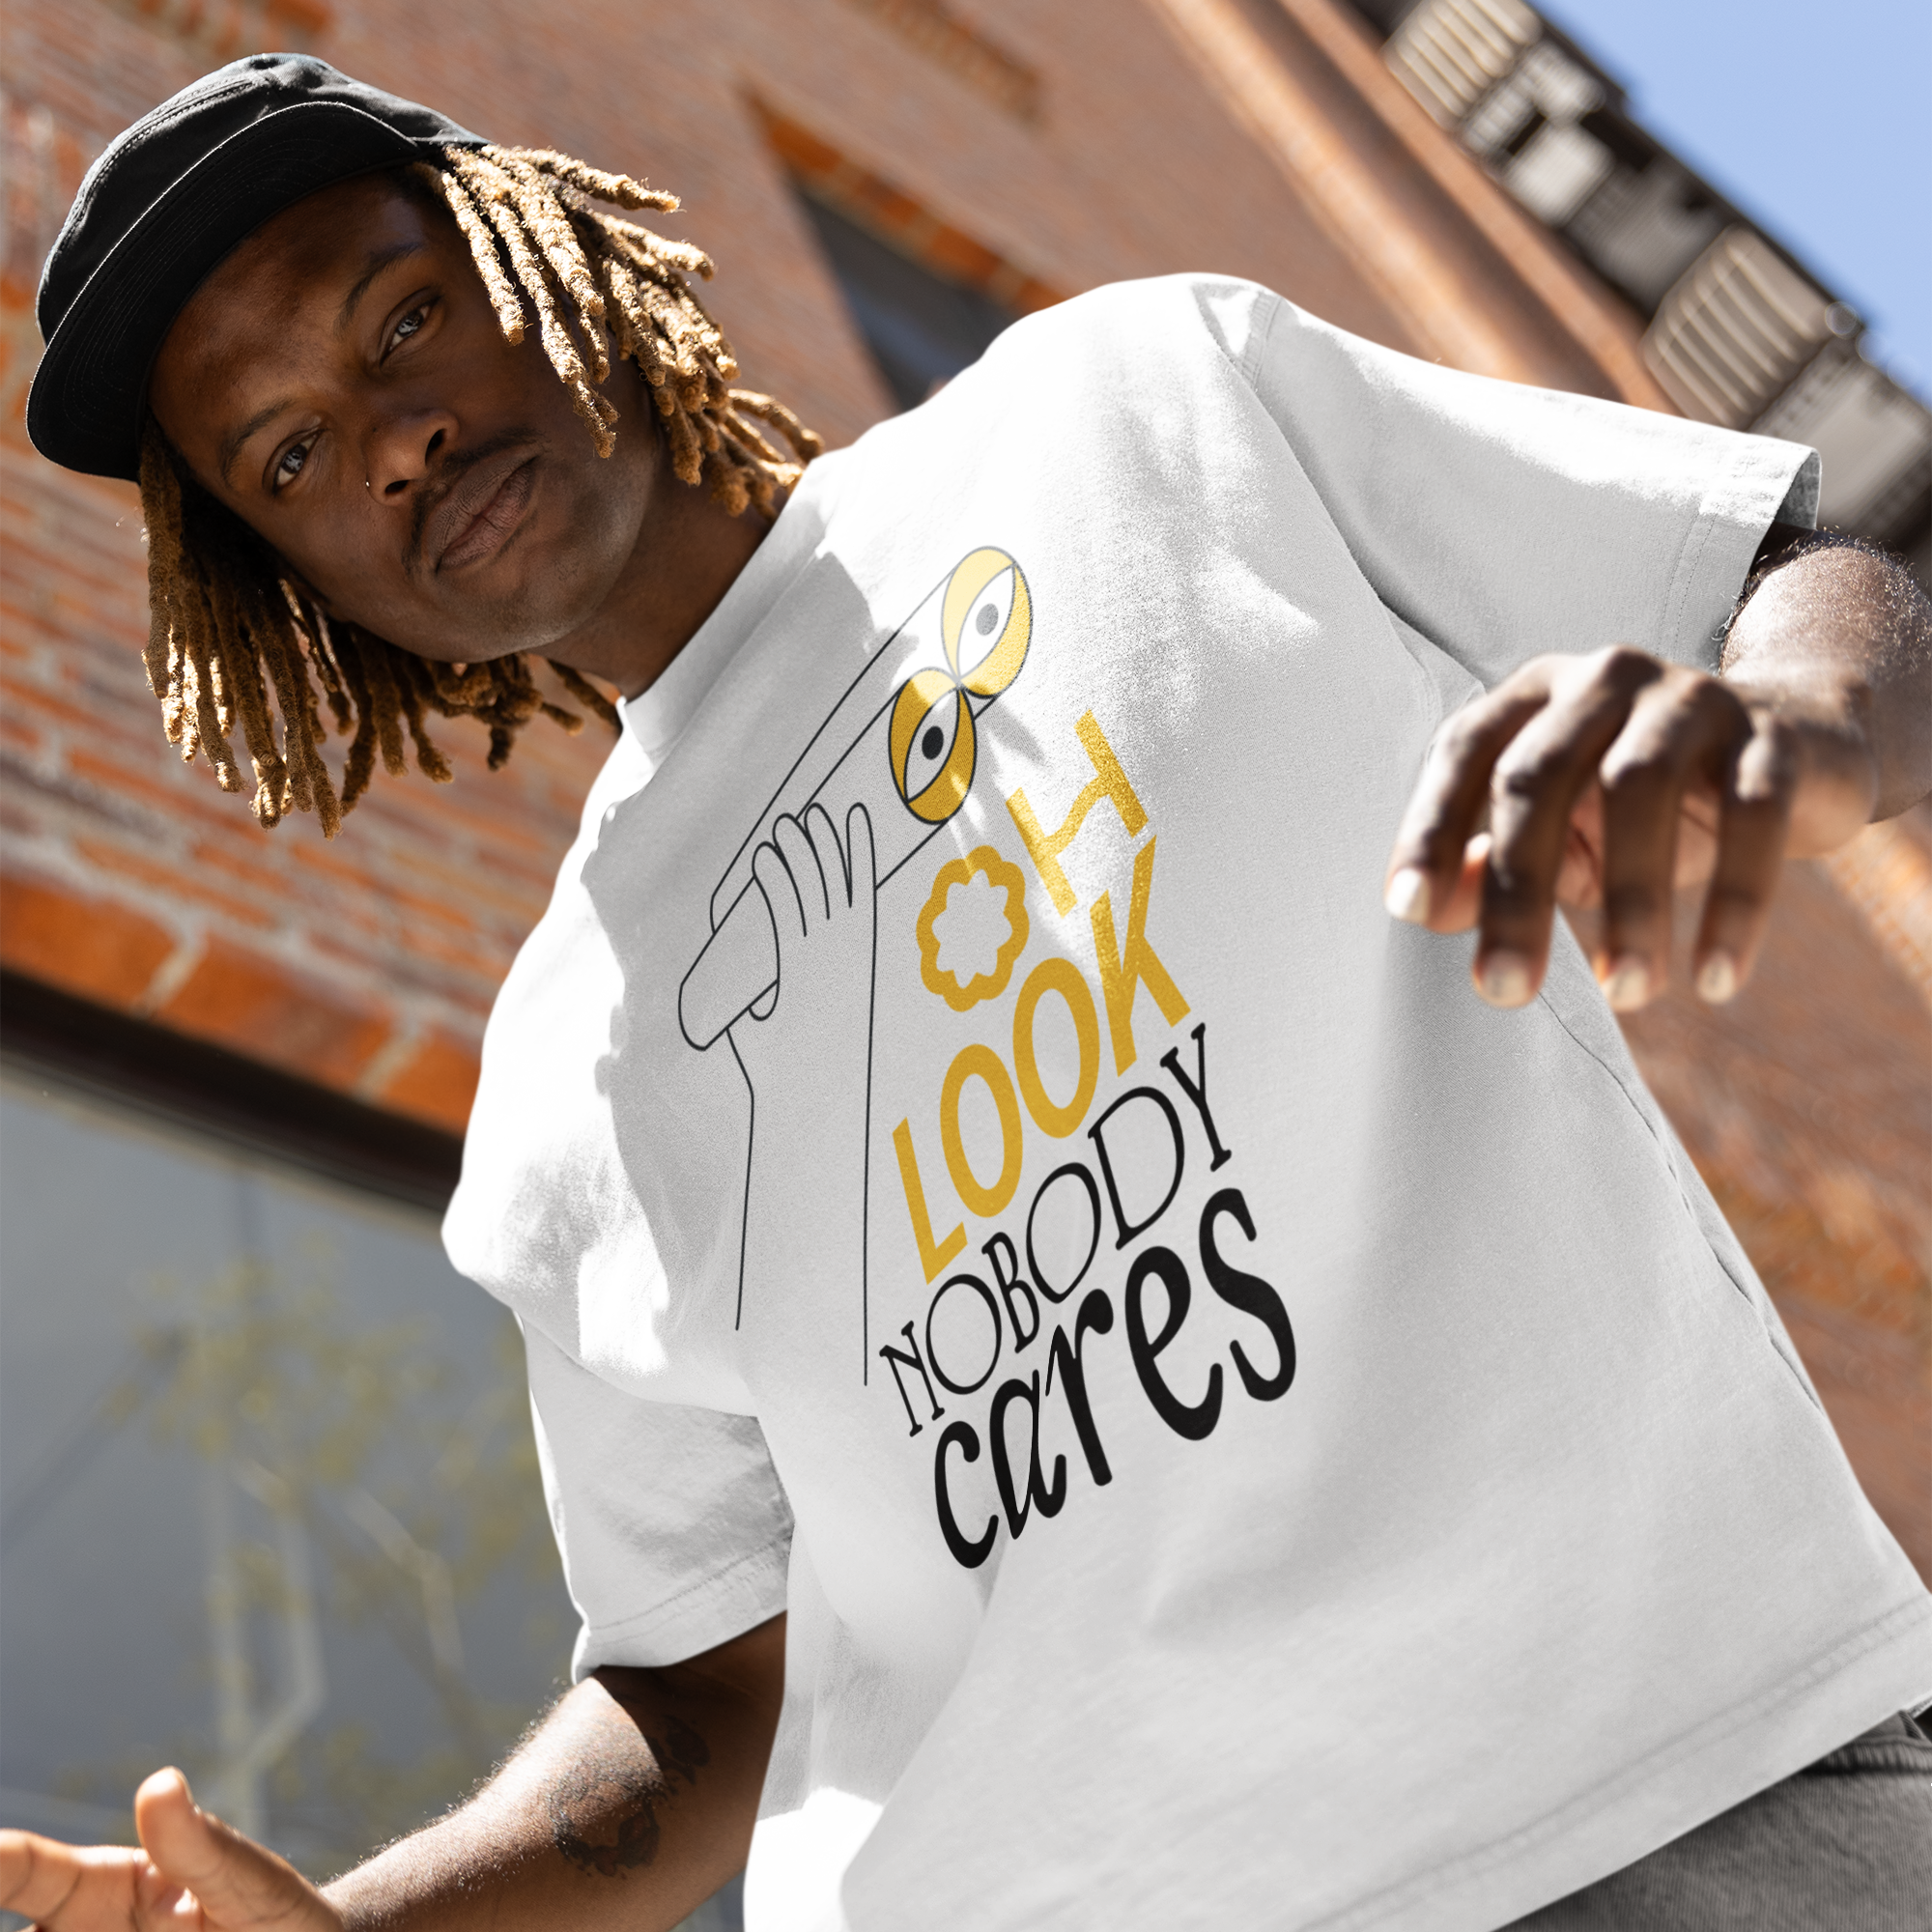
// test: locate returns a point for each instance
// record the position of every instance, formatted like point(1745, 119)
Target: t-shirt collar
point(657, 717)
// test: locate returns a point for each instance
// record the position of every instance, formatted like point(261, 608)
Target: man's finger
point(769, 867)
point(1752, 835)
point(237, 1883)
point(861, 860)
point(1538, 778)
point(832, 861)
point(1448, 803)
point(1677, 733)
point(808, 869)
point(69, 1888)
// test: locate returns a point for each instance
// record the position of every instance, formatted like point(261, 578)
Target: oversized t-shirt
point(1244, 1432)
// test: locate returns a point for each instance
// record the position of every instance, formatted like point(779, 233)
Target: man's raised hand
point(191, 1873)
point(1614, 779)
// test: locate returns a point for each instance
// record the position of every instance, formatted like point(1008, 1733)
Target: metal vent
point(1558, 171)
point(1449, 54)
point(1735, 330)
point(1874, 438)
point(1645, 227)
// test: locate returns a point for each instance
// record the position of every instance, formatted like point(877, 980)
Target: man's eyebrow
point(382, 259)
point(233, 442)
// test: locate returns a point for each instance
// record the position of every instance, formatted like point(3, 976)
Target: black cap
point(166, 202)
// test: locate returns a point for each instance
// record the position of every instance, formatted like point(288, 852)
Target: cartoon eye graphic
point(933, 745)
point(990, 613)
point(986, 621)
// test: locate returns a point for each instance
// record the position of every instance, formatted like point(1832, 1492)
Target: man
point(1081, 1379)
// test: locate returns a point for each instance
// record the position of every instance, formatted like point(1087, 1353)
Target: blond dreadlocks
point(228, 624)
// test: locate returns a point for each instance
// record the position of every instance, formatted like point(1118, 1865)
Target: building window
point(268, 1500)
point(921, 327)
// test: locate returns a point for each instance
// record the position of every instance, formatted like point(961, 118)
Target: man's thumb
point(236, 1881)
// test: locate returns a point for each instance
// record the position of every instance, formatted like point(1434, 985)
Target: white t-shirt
point(1245, 1434)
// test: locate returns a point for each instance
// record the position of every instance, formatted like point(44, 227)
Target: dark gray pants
point(1845, 1846)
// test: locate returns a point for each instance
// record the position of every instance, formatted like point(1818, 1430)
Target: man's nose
point(403, 449)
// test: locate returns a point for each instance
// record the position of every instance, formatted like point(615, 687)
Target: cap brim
point(84, 409)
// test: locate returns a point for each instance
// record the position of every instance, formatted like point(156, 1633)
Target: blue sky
point(1815, 120)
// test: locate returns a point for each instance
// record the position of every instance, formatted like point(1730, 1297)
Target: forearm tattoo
point(603, 1808)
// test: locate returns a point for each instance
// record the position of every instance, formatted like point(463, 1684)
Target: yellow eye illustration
point(932, 746)
point(986, 621)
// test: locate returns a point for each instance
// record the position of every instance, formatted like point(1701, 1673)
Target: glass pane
point(921, 327)
point(268, 1501)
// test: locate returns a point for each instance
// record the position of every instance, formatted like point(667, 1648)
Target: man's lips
point(482, 512)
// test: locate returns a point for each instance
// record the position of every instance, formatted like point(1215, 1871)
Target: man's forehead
point(320, 246)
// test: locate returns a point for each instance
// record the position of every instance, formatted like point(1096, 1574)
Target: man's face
point(341, 383)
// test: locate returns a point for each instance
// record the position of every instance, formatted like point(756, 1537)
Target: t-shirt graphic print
point(891, 766)
point(1241, 1431)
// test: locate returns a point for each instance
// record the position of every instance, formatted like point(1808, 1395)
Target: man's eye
point(291, 465)
point(409, 325)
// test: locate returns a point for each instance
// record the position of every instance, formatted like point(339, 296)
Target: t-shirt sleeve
point(1503, 522)
point(673, 1530)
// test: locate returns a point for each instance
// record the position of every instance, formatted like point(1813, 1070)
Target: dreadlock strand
point(413, 683)
point(234, 655)
point(280, 653)
point(768, 409)
point(761, 485)
point(497, 192)
point(657, 252)
point(620, 190)
point(162, 519)
point(358, 768)
point(216, 685)
point(505, 199)
point(749, 437)
point(461, 688)
point(314, 629)
point(631, 325)
point(171, 589)
point(482, 247)
point(586, 695)
point(513, 703)
point(686, 452)
point(729, 488)
point(385, 709)
point(550, 227)
point(197, 700)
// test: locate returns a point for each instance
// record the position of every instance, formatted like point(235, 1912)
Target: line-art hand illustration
point(902, 741)
point(788, 972)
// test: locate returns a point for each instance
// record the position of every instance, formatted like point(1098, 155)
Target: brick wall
point(369, 963)
point(1040, 147)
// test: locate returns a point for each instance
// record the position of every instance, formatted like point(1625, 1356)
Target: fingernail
point(1407, 897)
point(1716, 977)
point(1626, 984)
point(1505, 980)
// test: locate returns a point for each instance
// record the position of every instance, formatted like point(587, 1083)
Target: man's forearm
point(1844, 634)
point(630, 1804)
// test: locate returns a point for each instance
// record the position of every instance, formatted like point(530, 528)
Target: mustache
point(453, 469)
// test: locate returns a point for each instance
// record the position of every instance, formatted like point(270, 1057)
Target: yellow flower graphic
point(968, 939)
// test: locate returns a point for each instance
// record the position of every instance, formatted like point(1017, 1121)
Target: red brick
point(241, 1000)
point(437, 1083)
point(194, 891)
point(90, 947)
